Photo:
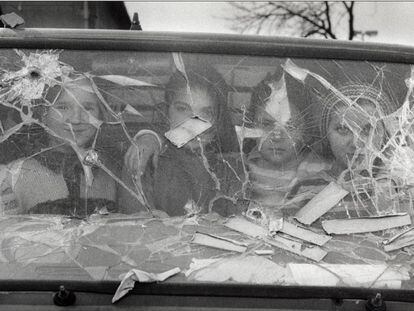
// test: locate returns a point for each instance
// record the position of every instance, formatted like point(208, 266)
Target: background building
point(70, 14)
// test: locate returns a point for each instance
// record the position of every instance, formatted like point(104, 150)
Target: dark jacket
point(182, 177)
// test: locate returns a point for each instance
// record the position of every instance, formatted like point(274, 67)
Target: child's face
point(186, 104)
point(350, 132)
point(73, 114)
point(281, 143)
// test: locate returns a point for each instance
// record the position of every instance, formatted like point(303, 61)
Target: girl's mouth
point(276, 149)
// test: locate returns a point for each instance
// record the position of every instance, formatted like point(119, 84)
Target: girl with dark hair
point(203, 175)
point(353, 139)
point(352, 127)
point(280, 158)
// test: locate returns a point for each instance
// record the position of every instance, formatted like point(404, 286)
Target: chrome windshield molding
point(248, 45)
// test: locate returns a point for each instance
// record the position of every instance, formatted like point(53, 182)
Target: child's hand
point(138, 155)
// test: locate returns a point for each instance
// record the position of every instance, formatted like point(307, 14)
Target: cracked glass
point(246, 169)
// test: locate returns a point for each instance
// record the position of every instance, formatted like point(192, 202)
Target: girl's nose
point(361, 141)
point(206, 114)
point(278, 133)
point(352, 144)
point(77, 114)
point(359, 144)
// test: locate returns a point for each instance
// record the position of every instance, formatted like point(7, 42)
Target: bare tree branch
point(350, 10)
point(307, 19)
point(328, 16)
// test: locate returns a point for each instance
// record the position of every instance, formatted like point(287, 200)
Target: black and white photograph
point(207, 155)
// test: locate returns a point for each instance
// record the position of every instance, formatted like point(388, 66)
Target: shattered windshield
point(217, 168)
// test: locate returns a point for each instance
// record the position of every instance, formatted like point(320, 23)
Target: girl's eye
point(343, 130)
point(366, 130)
point(267, 123)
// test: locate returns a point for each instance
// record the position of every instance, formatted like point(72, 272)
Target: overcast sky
point(394, 21)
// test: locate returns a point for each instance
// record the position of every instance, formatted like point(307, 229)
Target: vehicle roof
point(204, 43)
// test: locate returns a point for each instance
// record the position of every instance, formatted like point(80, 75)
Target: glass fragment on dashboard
point(258, 170)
